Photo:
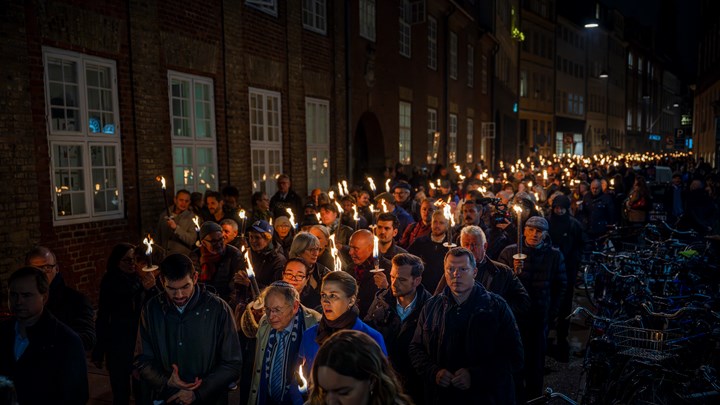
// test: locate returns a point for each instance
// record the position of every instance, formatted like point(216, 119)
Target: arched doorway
point(368, 149)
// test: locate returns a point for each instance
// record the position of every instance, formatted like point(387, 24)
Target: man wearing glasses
point(68, 305)
point(220, 263)
point(278, 335)
point(466, 346)
point(402, 191)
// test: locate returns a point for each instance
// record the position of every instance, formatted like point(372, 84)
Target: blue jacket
point(309, 347)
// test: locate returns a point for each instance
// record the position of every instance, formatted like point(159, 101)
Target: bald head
point(43, 258)
point(361, 246)
point(596, 187)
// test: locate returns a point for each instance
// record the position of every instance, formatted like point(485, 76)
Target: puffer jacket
point(543, 275)
point(491, 348)
point(203, 343)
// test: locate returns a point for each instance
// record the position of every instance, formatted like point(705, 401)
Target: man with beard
point(184, 357)
point(219, 263)
point(395, 313)
point(566, 235)
point(386, 230)
point(542, 273)
point(430, 248)
point(420, 228)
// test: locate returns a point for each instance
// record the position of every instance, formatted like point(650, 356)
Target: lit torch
point(161, 179)
point(451, 223)
point(356, 217)
point(251, 275)
point(344, 184)
point(196, 221)
point(292, 218)
point(376, 256)
point(148, 242)
point(242, 217)
point(387, 185)
point(372, 186)
point(519, 255)
point(334, 253)
point(340, 189)
point(302, 384)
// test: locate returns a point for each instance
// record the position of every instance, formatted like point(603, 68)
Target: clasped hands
point(460, 380)
point(186, 395)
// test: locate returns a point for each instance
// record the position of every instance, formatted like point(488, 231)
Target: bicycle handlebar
point(548, 395)
point(671, 315)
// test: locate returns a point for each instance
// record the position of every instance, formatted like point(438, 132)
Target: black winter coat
point(366, 283)
point(491, 350)
point(544, 278)
point(52, 370)
point(433, 256)
point(73, 309)
point(398, 334)
point(567, 235)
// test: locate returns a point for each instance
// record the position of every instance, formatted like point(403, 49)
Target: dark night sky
point(678, 37)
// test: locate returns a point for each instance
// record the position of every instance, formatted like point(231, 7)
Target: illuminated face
point(347, 206)
point(459, 275)
point(283, 186)
point(327, 217)
point(470, 214)
point(341, 389)
point(214, 242)
point(214, 206)
point(595, 188)
point(363, 200)
point(361, 249)
point(401, 194)
point(385, 231)
point(282, 230)
point(533, 236)
point(279, 312)
point(263, 203)
point(471, 243)
point(334, 300)
point(426, 210)
point(180, 291)
point(402, 283)
point(47, 263)
point(311, 254)
point(295, 274)
point(229, 233)
point(182, 201)
point(321, 237)
point(438, 226)
point(258, 241)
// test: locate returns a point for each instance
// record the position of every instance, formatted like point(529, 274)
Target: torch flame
point(387, 185)
point(384, 206)
point(340, 189)
point(356, 217)
point(292, 217)
point(340, 210)
point(250, 271)
point(448, 215)
point(317, 215)
point(162, 181)
point(148, 242)
point(544, 174)
point(196, 221)
point(344, 184)
point(432, 186)
point(331, 194)
point(303, 381)
point(372, 183)
point(518, 209)
point(375, 247)
point(242, 214)
point(333, 253)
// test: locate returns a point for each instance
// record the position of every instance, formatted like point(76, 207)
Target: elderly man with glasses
point(68, 305)
point(278, 334)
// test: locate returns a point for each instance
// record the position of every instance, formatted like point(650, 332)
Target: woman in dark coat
point(121, 299)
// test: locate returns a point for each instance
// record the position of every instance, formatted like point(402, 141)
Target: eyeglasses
point(275, 311)
point(313, 250)
point(329, 297)
point(295, 277)
point(213, 242)
point(283, 226)
point(48, 267)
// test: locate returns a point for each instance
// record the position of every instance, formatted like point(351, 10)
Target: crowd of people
point(442, 288)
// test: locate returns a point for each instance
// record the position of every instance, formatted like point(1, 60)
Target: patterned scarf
point(291, 353)
point(208, 263)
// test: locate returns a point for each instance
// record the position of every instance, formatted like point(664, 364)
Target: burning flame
point(162, 181)
point(544, 174)
point(339, 207)
point(250, 271)
point(344, 184)
point(303, 381)
point(242, 214)
point(384, 206)
point(372, 183)
point(356, 217)
point(387, 185)
point(448, 215)
point(340, 189)
point(148, 242)
point(432, 186)
point(518, 209)
point(196, 221)
point(458, 169)
point(317, 215)
point(292, 217)
point(264, 177)
point(375, 247)
point(331, 194)
point(333, 253)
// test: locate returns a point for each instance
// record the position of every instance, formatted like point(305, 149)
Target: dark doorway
point(369, 149)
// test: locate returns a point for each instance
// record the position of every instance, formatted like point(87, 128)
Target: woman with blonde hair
point(350, 369)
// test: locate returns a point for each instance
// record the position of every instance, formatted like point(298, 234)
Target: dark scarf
point(208, 264)
point(326, 327)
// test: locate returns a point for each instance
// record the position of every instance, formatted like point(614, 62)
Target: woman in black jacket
point(121, 299)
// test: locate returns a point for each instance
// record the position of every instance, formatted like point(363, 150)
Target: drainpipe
point(348, 98)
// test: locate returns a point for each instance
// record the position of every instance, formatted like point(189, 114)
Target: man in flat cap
point(220, 263)
point(542, 273)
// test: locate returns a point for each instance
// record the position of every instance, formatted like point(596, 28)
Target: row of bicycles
point(654, 318)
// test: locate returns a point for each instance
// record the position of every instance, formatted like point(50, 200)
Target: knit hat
point(209, 227)
point(537, 223)
point(561, 201)
point(281, 220)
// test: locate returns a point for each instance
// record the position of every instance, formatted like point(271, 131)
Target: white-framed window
point(266, 6)
point(453, 55)
point(192, 123)
point(265, 139)
point(484, 75)
point(432, 42)
point(405, 132)
point(470, 143)
point(433, 136)
point(452, 139)
point(81, 98)
point(314, 14)
point(367, 19)
point(470, 65)
point(317, 135)
point(404, 34)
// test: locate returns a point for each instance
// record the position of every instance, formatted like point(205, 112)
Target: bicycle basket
point(649, 344)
